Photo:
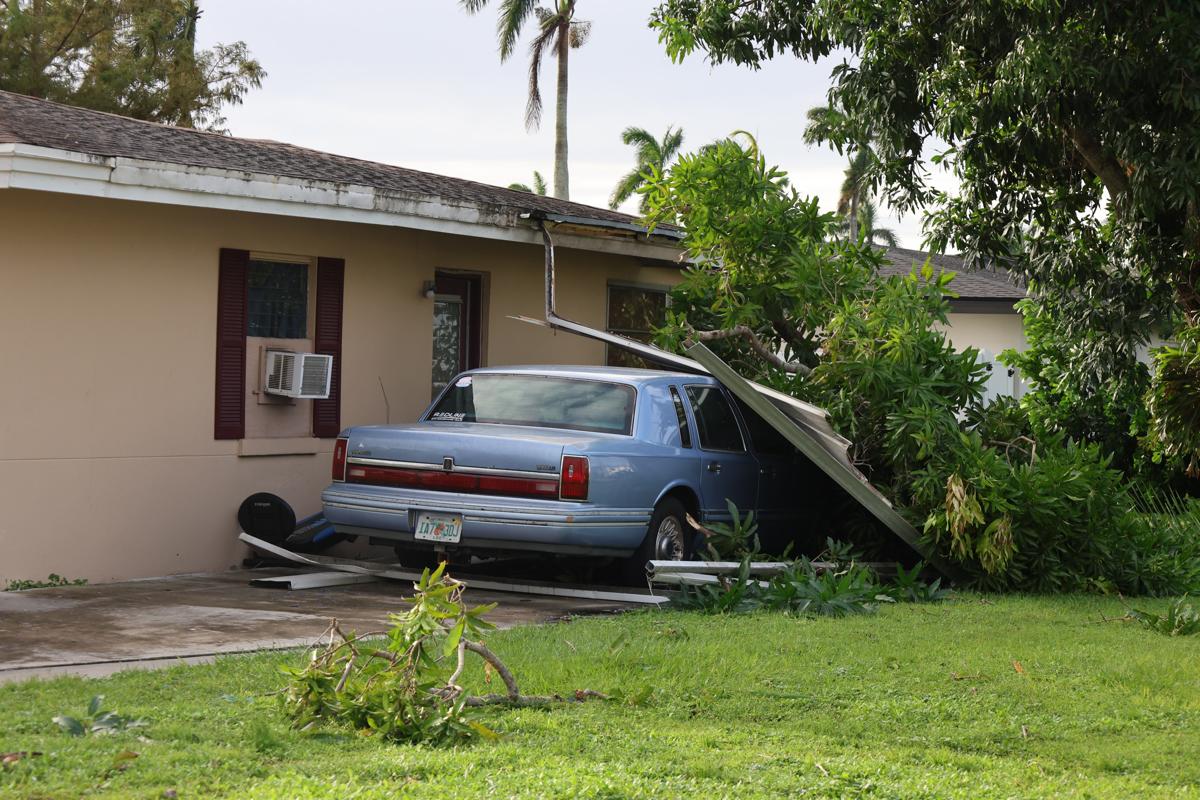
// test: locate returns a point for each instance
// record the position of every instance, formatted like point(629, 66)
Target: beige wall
point(991, 332)
point(108, 466)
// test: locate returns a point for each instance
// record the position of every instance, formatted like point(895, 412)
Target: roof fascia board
point(52, 170)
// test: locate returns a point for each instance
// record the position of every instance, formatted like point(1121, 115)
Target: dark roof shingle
point(28, 120)
point(968, 284)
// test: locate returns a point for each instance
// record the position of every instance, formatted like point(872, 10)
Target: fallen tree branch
point(756, 344)
point(487, 655)
point(526, 701)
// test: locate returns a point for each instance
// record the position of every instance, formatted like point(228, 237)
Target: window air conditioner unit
point(303, 376)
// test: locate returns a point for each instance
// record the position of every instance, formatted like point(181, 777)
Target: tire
point(668, 538)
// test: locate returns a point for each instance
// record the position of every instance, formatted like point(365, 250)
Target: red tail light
point(573, 482)
point(452, 481)
point(339, 460)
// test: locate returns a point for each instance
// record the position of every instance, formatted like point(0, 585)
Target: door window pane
point(763, 437)
point(718, 428)
point(277, 299)
point(447, 341)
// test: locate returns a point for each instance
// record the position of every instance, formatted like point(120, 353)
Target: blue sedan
point(564, 460)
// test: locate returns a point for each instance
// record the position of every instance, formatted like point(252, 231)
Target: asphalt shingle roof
point(33, 121)
point(969, 284)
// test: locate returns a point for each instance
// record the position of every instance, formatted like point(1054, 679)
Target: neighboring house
point(145, 271)
point(983, 316)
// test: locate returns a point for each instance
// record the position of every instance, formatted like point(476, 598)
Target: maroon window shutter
point(230, 413)
point(327, 340)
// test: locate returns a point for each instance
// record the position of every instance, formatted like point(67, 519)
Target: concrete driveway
point(98, 630)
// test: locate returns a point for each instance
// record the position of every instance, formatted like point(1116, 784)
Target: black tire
point(668, 538)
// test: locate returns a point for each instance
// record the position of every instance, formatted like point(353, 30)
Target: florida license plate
point(439, 527)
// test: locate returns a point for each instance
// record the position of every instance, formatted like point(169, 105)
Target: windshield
point(538, 401)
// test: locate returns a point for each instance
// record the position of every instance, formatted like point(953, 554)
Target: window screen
point(633, 313)
point(536, 401)
point(277, 299)
point(718, 428)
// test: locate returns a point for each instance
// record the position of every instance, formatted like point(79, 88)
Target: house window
point(277, 299)
point(633, 312)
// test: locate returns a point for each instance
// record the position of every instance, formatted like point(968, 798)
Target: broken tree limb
point(535, 700)
point(756, 344)
point(487, 655)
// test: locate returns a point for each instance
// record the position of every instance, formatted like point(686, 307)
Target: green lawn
point(917, 701)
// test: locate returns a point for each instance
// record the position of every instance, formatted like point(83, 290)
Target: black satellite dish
point(268, 517)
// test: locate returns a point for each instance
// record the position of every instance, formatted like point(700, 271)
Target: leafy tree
point(557, 31)
point(780, 273)
point(538, 187)
point(653, 155)
point(131, 57)
point(811, 315)
point(1069, 125)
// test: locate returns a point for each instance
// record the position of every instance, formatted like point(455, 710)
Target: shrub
point(843, 589)
point(1180, 619)
point(1050, 518)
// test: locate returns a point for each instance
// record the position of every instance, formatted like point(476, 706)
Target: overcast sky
point(419, 83)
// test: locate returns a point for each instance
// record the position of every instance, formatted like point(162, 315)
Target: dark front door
point(457, 323)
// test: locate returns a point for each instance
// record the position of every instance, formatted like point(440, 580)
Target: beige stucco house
point(146, 271)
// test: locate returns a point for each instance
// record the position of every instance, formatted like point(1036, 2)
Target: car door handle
point(714, 466)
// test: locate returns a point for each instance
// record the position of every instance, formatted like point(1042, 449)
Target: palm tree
point(558, 30)
point(865, 226)
point(822, 121)
point(651, 153)
point(855, 191)
point(539, 185)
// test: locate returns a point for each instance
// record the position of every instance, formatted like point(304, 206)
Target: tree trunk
point(562, 184)
point(853, 221)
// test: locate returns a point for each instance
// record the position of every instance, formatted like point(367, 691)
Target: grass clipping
point(404, 683)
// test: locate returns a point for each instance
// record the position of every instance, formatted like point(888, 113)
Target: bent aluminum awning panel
point(839, 469)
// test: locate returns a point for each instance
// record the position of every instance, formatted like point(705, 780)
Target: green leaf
point(72, 726)
point(453, 639)
point(94, 705)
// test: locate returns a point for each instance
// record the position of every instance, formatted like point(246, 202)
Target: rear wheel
point(668, 538)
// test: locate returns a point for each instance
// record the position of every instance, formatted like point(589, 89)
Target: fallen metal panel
point(654, 569)
point(694, 579)
point(842, 472)
point(311, 580)
point(374, 569)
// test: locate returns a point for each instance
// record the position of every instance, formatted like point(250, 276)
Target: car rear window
point(538, 401)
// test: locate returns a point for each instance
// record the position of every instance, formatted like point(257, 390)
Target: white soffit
point(48, 169)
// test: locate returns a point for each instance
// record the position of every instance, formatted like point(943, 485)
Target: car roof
point(617, 374)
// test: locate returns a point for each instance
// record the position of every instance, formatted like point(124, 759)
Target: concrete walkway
point(98, 630)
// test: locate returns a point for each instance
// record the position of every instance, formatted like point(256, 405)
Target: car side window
point(685, 435)
point(716, 425)
point(763, 438)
